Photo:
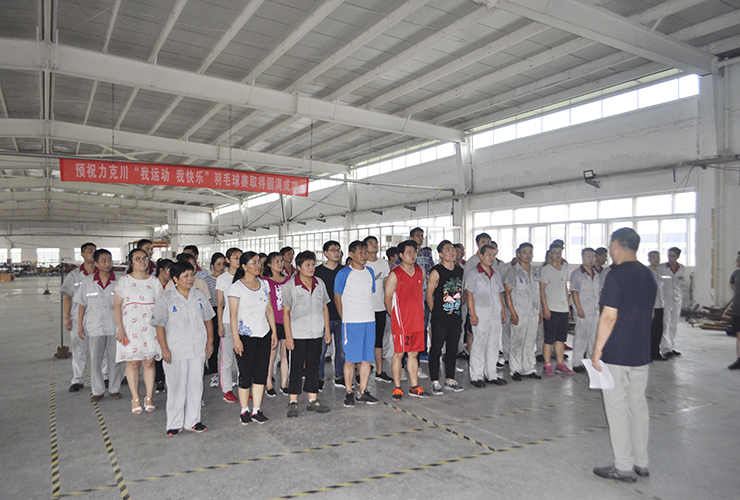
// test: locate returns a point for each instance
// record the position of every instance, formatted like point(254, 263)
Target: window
point(47, 256)
point(619, 104)
point(555, 121)
point(15, 255)
point(227, 209)
point(585, 113)
point(657, 94)
point(653, 205)
point(483, 139)
point(553, 213)
point(662, 221)
point(529, 127)
point(504, 134)
point(610, 209)
point(3, 255)
point(525, 215)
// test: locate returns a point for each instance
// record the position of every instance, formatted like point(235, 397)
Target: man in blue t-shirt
point(623, 344)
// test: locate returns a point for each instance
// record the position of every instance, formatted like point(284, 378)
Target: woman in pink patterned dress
point(137, 339)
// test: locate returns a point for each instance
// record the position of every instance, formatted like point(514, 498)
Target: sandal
point(148, 407)
point(136, 409)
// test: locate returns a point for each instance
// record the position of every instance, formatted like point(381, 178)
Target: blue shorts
point(358, 342)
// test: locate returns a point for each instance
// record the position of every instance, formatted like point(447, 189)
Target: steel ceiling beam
point(25, 55)
point(603, 26)
point(95, 135)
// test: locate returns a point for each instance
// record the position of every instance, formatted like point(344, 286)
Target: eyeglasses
point(334, 250)
point(141, 259)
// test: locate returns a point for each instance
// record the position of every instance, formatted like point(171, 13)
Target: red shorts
point(413, 342)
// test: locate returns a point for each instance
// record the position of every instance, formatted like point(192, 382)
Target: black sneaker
point(293, 409)
point(160, 388)
point(735, 365)
point(516, 377)
point(497, 381)
point(245, 418)
point(271, 392)
point(611, 472)
point(199, 427)
point(579, 369)
point(339, 382)
point(539, 358)
point(532, 375)
point(106, 383)
point(284, 390)
point(366, 397)
point(172, 432)
point(383, 377)
point(75, 387)
point(316, 406)
point(259, 417)
point(321, 385)
point(349, 400)
point(478, 383)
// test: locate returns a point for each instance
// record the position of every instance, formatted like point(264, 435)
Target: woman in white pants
point(223, 283)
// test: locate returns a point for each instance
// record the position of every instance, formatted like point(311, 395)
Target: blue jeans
point(335, 327)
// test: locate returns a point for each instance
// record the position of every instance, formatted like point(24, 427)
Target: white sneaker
point(459, 369)
point(437, 389)
point(422, 374)
point(453, 385)
point(214, 380)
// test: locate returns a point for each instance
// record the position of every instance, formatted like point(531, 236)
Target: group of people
point(174, 321)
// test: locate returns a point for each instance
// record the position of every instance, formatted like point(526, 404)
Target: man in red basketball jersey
point(404, 301)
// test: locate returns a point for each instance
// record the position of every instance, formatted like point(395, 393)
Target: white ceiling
point(332, 81)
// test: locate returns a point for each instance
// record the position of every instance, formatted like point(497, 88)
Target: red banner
point(115, 172)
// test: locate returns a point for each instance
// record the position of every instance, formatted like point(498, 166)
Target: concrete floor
point(525, 440)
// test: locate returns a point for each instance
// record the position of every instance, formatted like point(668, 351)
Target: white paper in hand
point(598, 379)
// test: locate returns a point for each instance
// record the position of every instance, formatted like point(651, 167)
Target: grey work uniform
point(99, 324)
point(588, 287)
point(79, 346)
point(183, 320)
point(525, 297)
point(486, 292)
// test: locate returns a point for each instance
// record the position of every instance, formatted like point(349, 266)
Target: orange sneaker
point(418, 391)
point(397, 394)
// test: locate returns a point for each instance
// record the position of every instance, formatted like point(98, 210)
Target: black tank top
point(448, 296)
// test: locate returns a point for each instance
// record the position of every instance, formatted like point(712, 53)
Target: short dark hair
point(100, 252)
point(524, 245)
point(285, 250)
point(356, 245)
point(485, 248)
point(231, 251)
point(262, 255)
point(192, 248)
point(414, 231)
point(88, 244)
point(587, 249)
point(626, 237)
point(393, 252)
point(330, 244)
point(179, 267)
point(481, 236)
point(459, 246)
point(655, 251)
point(557, 244)
point(443, 244)
point(675, 249)
point(185, 257)
point(163, 265)
point(143, 242)
point(602, 251)
point(215, 257)
point(405, 244)
point(303, 257)
point(370, 237)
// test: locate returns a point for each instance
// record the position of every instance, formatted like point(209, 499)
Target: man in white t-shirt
point(555, 311)
point(381, 269)
point(353, 295)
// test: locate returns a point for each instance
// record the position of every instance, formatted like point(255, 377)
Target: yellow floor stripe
point(56, 481)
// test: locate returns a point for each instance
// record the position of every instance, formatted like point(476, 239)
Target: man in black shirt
point(444, 298)
point(327, 272)
point(623, 345)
